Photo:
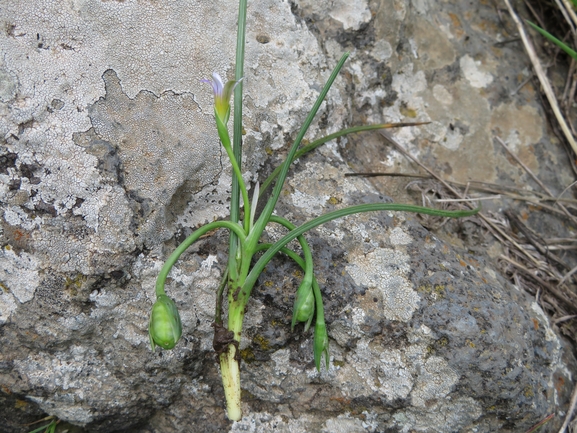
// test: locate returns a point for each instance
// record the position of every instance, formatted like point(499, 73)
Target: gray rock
point(109, 158)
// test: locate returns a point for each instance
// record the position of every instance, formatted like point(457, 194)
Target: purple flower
point(222, 94)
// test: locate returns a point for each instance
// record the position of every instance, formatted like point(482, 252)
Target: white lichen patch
point(442, 95)
point(19, 274)
point(352, 13)
point(16, 216)
point(385, 270)
point(200, 307)
point(282, 377)
point(373, 370)
point(347, 424)
point(79, 415)
point(409, 373)
point(263, 422)
point(409, 106)
point(449, 138)
point(66, 376)
point(435, 380)
point(398, 236)
point(473, 71)
point(275, 42)
point(313, 203)
point(544, 321)
point(8, 304)
point(441, 415)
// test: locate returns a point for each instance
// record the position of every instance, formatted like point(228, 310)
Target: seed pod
point(304, 306)
point(321, 345)
point(164, 328)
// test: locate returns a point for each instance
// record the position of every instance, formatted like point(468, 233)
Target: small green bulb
point(164, 328)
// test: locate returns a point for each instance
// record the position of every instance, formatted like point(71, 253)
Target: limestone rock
point(108, 158)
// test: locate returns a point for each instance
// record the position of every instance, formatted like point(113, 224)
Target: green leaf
point(46, 428)
point(271, 204)
point(553, 39)
point(312, 146)
point(372, 207)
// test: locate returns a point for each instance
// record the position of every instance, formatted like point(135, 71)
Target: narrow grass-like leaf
point(46, 428)
point(237, 132)
point(312, 146)
point(553, 39)
point(371, 207)
point(271, 204)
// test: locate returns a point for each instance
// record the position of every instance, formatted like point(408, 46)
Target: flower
point(321, 345)
point(222, 94)
point(164, 328)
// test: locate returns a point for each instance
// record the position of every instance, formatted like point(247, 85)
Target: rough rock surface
point(108, 158)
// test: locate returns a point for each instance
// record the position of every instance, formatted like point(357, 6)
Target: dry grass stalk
point(545, 84)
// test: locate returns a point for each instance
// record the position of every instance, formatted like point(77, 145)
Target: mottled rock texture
point(109, 158)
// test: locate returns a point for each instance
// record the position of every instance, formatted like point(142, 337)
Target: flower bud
point(164, 328)
point(304, 306)
point(321, 345)
point(222, 94)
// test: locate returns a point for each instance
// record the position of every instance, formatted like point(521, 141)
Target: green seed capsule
point(306, 308)
point(321, 345)
point(164, 328)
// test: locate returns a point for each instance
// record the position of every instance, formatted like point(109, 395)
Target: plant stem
point(225, 139)
point(230, 372)
point(237, 134)
point(230, 358)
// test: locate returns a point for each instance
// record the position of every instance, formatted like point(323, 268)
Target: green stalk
point(237, 135)
point(372, 207)
point(230, 358)
point(233, 227)
point(225, 139)
point(229, 364)
point(305, 289)
point(312, 146)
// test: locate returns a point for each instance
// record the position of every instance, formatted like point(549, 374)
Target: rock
point(109, 158)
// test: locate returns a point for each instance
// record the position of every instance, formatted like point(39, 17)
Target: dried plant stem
point(570, 411)
point(571, 11)
point(542, 77)
point(535, 178)
point(567, 276)
point(491, 226)
point(564, 7)
point(461, 200)
point(535, 197)
point(569, 304)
